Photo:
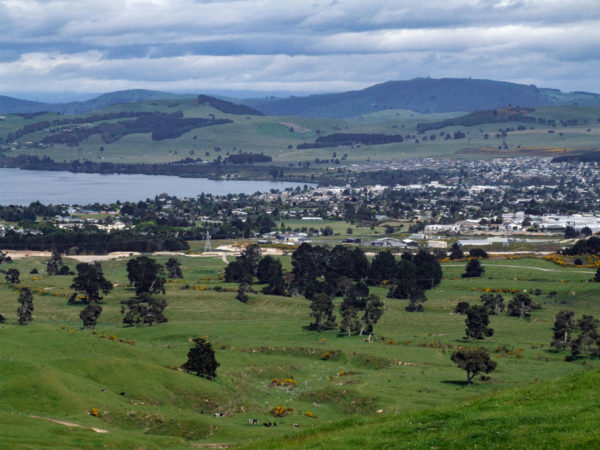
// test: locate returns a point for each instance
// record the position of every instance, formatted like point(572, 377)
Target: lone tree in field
point(322, 311)
point(89, 315)
point(477, 322)
point(456, 252)
point(25, 300)
point(54, 263)
point(201, 359)
point(12, 276)
point(563, 329)
point(521, 305)
point(597, 275)
point(146, 275)
point(90, 281)
point(174, 268)
point(473, 269)
point(493, 303)
point(473, 361)
point(144, 309)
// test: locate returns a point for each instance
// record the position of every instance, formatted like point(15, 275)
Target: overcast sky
point(300, 46)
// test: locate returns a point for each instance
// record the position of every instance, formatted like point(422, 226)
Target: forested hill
point(424, 95)
point(10, 105)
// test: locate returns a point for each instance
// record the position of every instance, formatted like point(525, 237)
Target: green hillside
point(52, 370)
point(164, 131)
point(561, 413)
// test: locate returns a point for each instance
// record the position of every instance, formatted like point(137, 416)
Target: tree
point(89, 315)
point(54, 263)
point(473, 269)
point(416, 301)
point(244, 268)
point(267, 269)
point(586, 231)
point(349, 323)
point(372, 314)
point(383, 267)
point(309, 263)
point(473, 361)
point(242, 294)
point(478, 253)
point(144, 309)
point(146, 275)
point(462, 307)
point(90, 281)
point(570, 232)
point(564, 326)
point(521, 305)
point(12, 276)
point(493, 303)
point(174, 268)
point(477, 321)
point(25, 300)
point(456, 252)
point(201, 359)
point(322, 312)
point(588, 340)
point(276, 286)
point(597, 275)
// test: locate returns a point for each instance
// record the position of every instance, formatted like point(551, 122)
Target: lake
point(21, 187)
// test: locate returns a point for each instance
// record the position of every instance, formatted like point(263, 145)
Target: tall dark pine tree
point(201, 360)
point(25, 308)
point(473, 269)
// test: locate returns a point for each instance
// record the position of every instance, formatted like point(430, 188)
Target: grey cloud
point(294, 45)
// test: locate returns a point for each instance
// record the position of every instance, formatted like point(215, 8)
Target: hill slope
point(9, 105)
point(424, 95)
point(562, 413)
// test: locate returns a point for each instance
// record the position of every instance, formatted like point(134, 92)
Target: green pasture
point(53, 369)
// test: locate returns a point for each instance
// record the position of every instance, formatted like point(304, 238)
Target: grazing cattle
point(253, 421)
point(267, 424)
point(296, 425)
point(219, 414)
point(123, 394)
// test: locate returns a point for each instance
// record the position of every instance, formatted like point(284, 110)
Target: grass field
point(53, 369)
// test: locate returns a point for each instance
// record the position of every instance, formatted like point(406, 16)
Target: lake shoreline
point(23, 186)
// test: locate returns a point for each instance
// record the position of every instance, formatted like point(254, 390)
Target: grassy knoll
point(55, 370)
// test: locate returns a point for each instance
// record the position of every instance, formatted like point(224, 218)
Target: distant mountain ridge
point(423, 95)
point(10, 105)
